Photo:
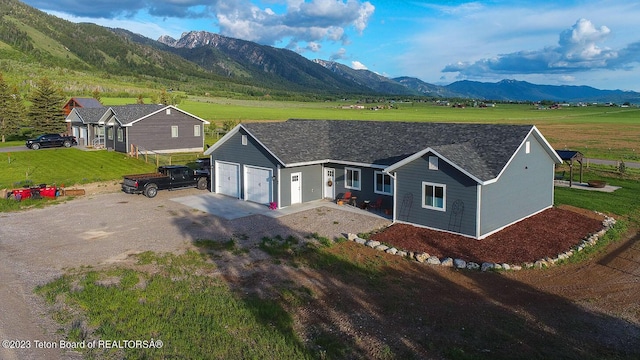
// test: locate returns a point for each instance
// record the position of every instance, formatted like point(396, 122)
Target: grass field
point(598, 132)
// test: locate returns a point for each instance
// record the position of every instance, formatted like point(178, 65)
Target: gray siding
point(311, 183)
point(154, 132)
point(253, 154)
point(460, 189)
point(525, 187)
point(367, 186)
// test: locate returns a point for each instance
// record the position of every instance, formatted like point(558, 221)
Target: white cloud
point(357, 65)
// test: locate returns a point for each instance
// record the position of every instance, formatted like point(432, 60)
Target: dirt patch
point(103, 187)
point(546, 234)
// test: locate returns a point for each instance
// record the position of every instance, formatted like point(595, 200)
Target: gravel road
point(36, 246)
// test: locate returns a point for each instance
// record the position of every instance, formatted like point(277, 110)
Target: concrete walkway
point(231, 208)
point(585, 186)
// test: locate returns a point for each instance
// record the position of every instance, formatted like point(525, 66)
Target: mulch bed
point(546, 234)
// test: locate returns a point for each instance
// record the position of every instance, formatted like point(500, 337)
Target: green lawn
point(66, 166)
point(195, 316)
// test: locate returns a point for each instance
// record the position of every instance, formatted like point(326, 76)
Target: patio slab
point(585, 186)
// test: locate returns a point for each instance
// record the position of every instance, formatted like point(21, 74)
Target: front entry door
point(296, 188)
point(329, 183)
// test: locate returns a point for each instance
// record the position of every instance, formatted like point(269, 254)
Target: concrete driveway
point(231, 208)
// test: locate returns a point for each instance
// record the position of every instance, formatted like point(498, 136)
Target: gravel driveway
point(36, 246)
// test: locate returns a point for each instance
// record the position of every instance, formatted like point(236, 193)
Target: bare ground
point(387, 308)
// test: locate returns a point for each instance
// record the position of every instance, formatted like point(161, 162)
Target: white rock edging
point(425, 258)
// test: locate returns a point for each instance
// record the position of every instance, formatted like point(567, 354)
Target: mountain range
point(206, 62)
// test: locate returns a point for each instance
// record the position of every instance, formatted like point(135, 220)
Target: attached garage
point(258, 184)
point(227, 176)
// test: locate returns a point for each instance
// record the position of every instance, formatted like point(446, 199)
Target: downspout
point(395, 194)
point(479, 210)
point(278, 186)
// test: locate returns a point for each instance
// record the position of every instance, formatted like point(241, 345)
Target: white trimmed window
point(434, 196)
point(244, 139)
point(527, 147)
point(382, 183)
point(433, 163)
point(120, 135)
point(110, 133)
point(196, 130)
point(352, 178)
point(174, 131)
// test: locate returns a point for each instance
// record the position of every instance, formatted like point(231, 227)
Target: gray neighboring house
point(468, 179)
point(86, 127)
point(156, 128)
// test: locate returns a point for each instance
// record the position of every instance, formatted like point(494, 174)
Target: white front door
point(227, 176)
point(296, 188)
point(329, 183)
point(258, 184)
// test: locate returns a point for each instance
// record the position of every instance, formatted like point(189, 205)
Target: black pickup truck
point(51, 140)
point(168, 177)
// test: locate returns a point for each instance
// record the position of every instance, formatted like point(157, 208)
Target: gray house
point(156, 128)
point(469, 179)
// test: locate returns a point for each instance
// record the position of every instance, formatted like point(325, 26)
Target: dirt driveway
point(37, 246)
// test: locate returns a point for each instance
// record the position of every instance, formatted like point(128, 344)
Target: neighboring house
point(469, 179)
point(86, 127)
point(79, 103)
point(156, 128)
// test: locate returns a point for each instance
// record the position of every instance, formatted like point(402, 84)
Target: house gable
point(165, 130)
point(459, 189)
point(524, 187)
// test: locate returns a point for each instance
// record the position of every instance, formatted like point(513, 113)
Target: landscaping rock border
point(425, 258)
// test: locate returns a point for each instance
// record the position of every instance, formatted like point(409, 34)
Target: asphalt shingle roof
point(87, 102)
point(483, 150)
point(91, 115)
point(129, 113)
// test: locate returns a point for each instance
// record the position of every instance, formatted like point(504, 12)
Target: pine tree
point(46, 114)
point(4, 101)
point(15, 113)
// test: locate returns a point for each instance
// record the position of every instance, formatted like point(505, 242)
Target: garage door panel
point(258, 184)
point(227, 179)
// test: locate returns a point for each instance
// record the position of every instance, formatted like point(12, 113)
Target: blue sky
point(595, 43)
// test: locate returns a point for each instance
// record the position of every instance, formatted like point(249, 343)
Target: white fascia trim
point(514, 222)
point(339, 162)
point(421, 153)
point(550, 150)
point(536, 133)
point(164, 109)
point(234, 131)
point(222, 140)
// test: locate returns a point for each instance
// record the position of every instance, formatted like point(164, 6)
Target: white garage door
point(227, 179)
point(258, 184)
